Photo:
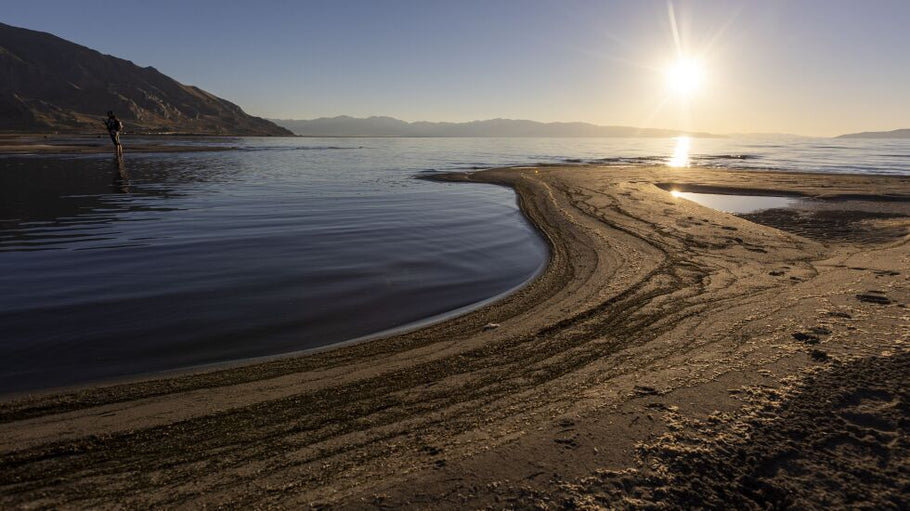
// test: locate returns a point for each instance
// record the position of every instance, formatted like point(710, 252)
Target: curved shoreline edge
point(648, 306)
point(22, 405)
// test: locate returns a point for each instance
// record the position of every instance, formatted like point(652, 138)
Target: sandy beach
point(670, 355)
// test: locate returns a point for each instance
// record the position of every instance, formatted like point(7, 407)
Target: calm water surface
point(207, 257)
point(177, 260)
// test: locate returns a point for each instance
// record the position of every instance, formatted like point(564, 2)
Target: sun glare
point(681, 152)
point(685, 76)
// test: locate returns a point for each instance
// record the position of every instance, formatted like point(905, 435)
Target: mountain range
point(902, 133)
point(50, 84)
point(345, 126)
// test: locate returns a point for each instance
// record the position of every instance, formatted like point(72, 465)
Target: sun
point(685, 76)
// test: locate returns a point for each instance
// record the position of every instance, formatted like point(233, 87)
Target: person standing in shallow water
point(114, 126)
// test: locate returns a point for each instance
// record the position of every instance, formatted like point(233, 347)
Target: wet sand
point(669, 355)
point(100, 144)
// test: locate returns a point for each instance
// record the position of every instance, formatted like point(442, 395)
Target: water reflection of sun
point(681, 152)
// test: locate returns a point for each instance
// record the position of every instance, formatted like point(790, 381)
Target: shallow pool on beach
point(739, 204)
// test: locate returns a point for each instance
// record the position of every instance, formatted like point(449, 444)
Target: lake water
point(177, 260)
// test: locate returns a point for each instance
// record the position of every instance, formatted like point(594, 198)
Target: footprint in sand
point(876, 297)
point(806, 338)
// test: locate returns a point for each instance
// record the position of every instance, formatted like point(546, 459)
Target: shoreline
point(63, 144)
point(647, 304)
point(461, 176)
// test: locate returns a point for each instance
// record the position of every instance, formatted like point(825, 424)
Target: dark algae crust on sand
point(835, 438)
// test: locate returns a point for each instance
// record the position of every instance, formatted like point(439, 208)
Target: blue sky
point(808, 67)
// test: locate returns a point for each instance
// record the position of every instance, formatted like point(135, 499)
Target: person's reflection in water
point(121, 177)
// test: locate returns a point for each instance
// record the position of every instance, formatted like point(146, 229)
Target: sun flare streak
point(688, 70)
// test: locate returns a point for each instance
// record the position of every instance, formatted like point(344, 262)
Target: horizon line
point(589, 123)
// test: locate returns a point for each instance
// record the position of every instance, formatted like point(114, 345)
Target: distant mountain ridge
point(901, 133)
point(51, 84)
point(345, 126)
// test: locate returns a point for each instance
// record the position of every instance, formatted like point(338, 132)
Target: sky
point(809, 67)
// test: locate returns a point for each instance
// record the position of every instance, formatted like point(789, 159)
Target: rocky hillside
point(50, 84)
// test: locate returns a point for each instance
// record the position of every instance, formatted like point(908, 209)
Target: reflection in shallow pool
point(738, 204)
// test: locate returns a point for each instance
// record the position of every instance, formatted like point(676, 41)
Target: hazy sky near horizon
point(811, 67)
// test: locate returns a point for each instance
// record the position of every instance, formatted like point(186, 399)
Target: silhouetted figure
point(114, 126)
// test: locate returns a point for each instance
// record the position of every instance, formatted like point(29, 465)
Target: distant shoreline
point(898, 134)
point(389, 126)
point(50, 144)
